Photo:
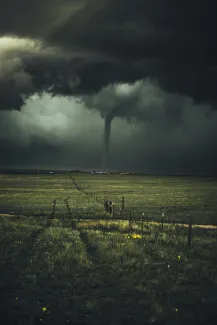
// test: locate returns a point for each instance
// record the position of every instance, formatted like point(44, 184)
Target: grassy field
point(178, 197)
point(64, 261)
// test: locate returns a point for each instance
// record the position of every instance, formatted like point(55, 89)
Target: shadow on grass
point(90, 249)
point(10, 278)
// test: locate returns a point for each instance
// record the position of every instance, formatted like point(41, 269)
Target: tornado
point(106, 144)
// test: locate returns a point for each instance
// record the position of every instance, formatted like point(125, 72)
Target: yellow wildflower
point(136, 236)
point(44, 309)
point(179, 257)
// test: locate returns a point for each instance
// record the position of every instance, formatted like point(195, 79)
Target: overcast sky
point(67, 64)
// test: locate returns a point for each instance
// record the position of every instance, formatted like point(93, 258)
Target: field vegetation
point(64, 260)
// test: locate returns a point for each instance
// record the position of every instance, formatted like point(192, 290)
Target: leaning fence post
point(190, 232)
point(110, 207)
point(122, 204)
point(113, 208)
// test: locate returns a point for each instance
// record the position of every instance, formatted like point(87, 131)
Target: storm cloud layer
point(149, 67)
point(87, 45)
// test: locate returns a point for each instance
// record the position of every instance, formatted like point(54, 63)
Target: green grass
point(177, 196)
point(70, 269)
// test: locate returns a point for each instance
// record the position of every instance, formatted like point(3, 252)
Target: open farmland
point(65, 261)
point(179, 197)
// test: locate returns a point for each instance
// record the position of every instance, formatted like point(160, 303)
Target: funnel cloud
point(107, 131)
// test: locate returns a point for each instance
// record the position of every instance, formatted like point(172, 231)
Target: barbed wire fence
point(202, 218)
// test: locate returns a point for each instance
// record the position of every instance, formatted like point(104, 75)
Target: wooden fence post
point(122, 204)
point(190, 232)
point(110, 207)
point(113, 208)
point(106, 206)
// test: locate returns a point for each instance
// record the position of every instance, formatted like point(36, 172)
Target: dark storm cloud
point(29, 66)
point(144, 29)
point(172, 42)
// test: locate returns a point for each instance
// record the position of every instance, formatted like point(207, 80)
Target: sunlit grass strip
point(113, 246)
point(105, 225)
